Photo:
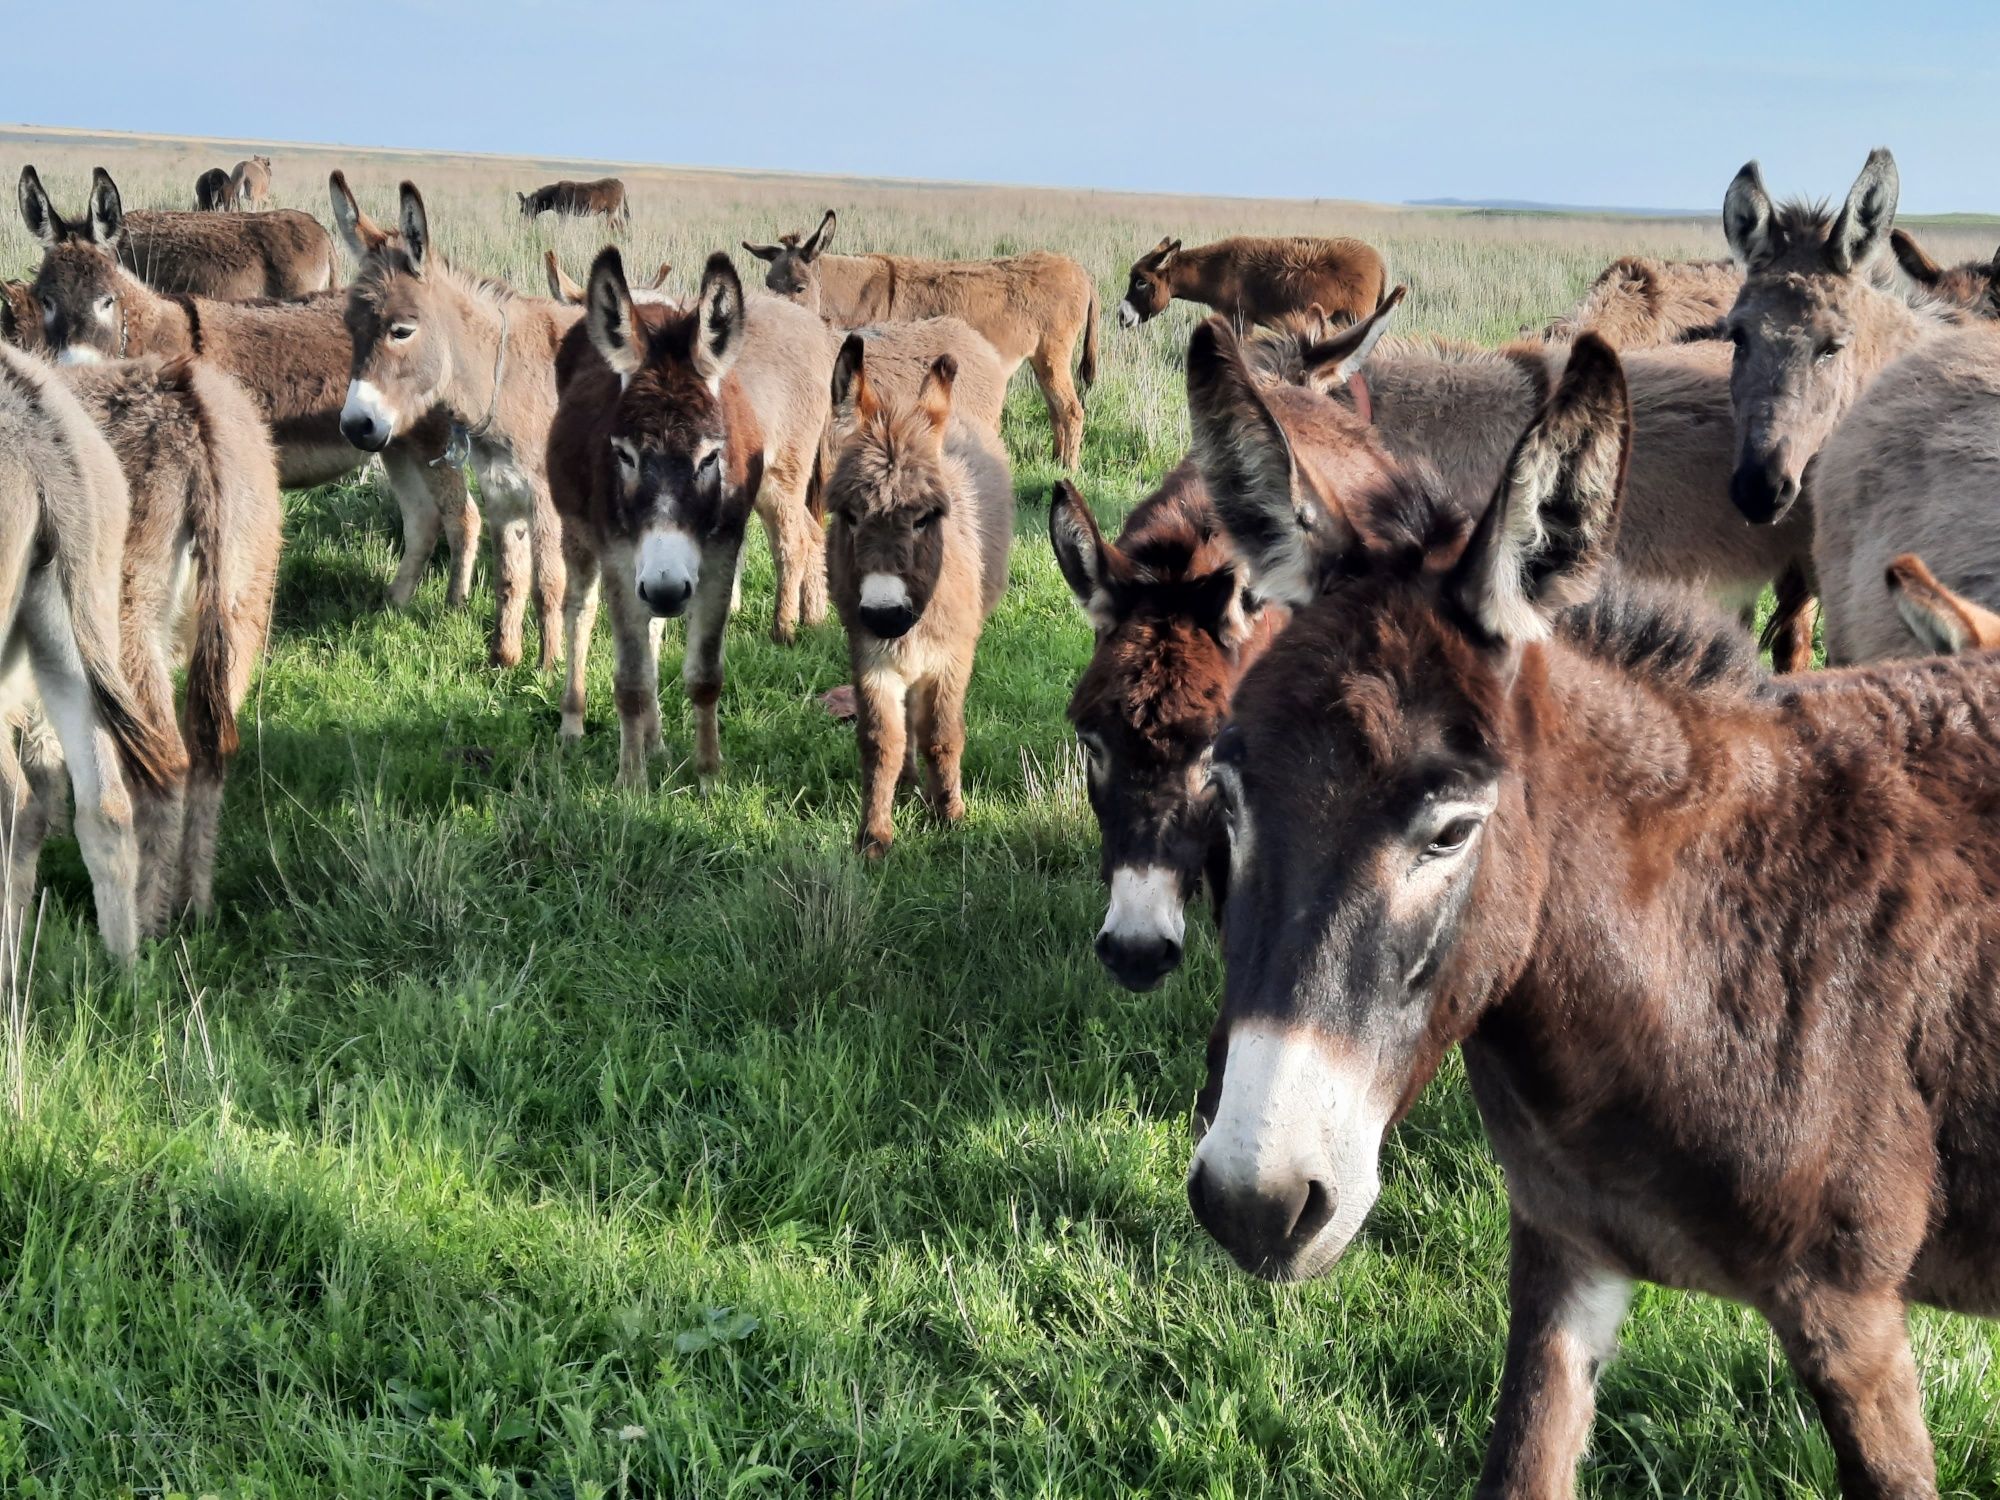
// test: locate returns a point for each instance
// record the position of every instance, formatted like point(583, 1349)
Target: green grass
point(510, 1136)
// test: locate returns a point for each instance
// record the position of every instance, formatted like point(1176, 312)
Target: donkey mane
point(1661, 634)
point(392, 260)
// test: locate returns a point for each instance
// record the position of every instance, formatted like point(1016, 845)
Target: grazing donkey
point(1973, 286)
point(1482, 792)
point(250, 184)
point(1029, 307)
point(564, 290)
point(674, 424)
point(293, 357)
point(1811, 327)
point(1175, 633)
point(923, 515)
point(1457, 411)
point(579, 200)
point(1252, 280)
point(231, 257)
point(211, 191)
point(63, 514)
point(1945, 622)
point(429, 339)
point(1637, 302)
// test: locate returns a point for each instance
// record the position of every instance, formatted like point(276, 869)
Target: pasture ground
point(510, 1136)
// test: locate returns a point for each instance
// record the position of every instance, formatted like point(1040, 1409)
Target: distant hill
point(1529, 206)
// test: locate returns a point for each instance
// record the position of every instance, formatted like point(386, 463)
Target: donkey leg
point(701, 663)
point(1851, 1349)
point(158, 817)
point(781, 529)
point(941, 727)
point(586, 580)
point(880, 730)
point(462, 525)
point(24, 824)
point(422, 517)
point(513, 566)
point(551, 576)
point(1051, 367)
point(103, 803)
point(635, 684)
point(812, 558)
point(1562, 1324)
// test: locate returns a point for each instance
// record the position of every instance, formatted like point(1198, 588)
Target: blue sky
point(1566, 102)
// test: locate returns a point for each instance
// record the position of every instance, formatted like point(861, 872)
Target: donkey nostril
point(1314, 1213)
point(1197, 1192)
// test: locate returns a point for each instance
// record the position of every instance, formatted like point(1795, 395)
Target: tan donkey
point(250, 184)
point(1258, 280)
point(923, 516)
point(1031, 307)
point(1637, 302)
point(229, 256)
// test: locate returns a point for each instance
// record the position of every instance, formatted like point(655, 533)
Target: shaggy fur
point(1973, 285)
point(1254, 281)
point(1640, 303)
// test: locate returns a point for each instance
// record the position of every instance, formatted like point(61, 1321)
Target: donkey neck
point(1457, 412)
point(156, 325)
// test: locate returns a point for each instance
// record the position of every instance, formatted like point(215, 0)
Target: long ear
point(934, 395)
point(1081, 552)
point(764, 252)
point(614, 330)
point(1246, 461)
point(560, 286)
point(416, 228)
point(1747, 220)
point(1863, 223)
point(659, 277)
point(1554, 517)
point(853, 397)
point(821, 238)
point(107, 211)
point(40, 215)
point(1331, 362)
point(1916, 265)
point(1215, 603)
point(719, 335)
point(361, 234)
point(1945, 622)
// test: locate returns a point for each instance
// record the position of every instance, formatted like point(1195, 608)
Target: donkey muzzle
point(1764, 487)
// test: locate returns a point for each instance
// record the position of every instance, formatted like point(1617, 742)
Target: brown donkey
point(250, 184)
point(922, 518)
point(579, 200)
point(1175, 633)
point(1482, 792)
point(1945, 622)
point(211, 191)
point(1031, 307)
point(429, 339)
point(674, 425)
point(1640, 303)
point(63, 514)
point(1973, 286)
point(1258, 281)
point(231, 257)
point(293, 357)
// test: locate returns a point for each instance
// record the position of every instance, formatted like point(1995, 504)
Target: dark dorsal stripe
point(193, 315)
point(1533, 363)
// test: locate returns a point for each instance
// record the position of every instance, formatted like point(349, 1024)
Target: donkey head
point(1973, 286)
point(402, 328)
point(1148, 290)
point(20, 316)
point(891, 493)
point(1370, 783)
point(1800, 325)
point(1171, 620)
point(80, 289)
point(794, 272)
point(666, 475)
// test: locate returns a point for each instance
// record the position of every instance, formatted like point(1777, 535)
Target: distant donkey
point(580, 200)
point(1973, 285)
point(250, 184)
point(1253, 280)
point(211, 191)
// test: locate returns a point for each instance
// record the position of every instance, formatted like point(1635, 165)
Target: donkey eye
point(106, 303)
point(402, 333)
point(1827, 349)
point(927, 520)
point(628, 456)
point(1452, 838)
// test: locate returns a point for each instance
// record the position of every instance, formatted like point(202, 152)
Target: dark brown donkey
point(1715, 945)
point(1174, 635)
point(1252, 280)
point(211, 191)
point(227, 256)
point(579, 200)
point(1973, 285)
point(293, 358)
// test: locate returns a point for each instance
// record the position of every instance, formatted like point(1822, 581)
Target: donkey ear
point(560, 286)
point(1215, 603)
point(15, 300)
point(1554, 517)
point(1081, 552)
point(1916, 265)
point(361, 234)
point(1946, 623)
point(614, 331)
point(40, 215)
point(853, 397)
point(1863, 223)
point(107, 210)
point(1747, 221)
point(934, 395)
point(821, 238)
point(660, 276)
point(416, 228)
point(764, 252)
point(719, 334)
point(1246, 461)
point(1332, 362)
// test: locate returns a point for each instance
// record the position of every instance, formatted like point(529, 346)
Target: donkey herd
point(1430, 662)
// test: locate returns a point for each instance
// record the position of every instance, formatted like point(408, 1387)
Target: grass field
point(510, 1136)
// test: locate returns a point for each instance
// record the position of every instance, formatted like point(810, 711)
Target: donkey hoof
point(572, 729)
point(872, 846)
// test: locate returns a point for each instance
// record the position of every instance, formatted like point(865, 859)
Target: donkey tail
point(1086, 369)
point(211, 720)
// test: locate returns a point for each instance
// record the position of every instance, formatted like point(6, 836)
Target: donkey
point(230, 257)
point(428, 339)
point(1637, 302)
point(1253, 280)
point(1973, 285)
point(293, 357)
point(1811, 327)
point(674, 425)
point(1944, 622)
point(211, 191)
point(923, 516)
point(21, 316)
point(63, 514)
point(250, 184)
point(1483, 792)
point(1175, 633)
point(1029, 307)
point(579, 200)
point(564, 290)
point(1456, 411)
